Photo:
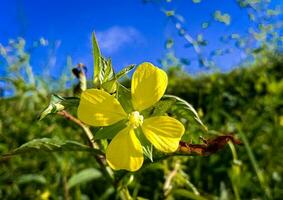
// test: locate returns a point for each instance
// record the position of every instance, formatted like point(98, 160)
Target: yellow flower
point(99, 108)
point(45, 195)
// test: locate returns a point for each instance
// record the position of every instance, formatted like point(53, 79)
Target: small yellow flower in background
point(45, 195)
point(99, 108)
point(281, 120)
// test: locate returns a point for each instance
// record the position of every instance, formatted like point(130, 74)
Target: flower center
point(135, 119)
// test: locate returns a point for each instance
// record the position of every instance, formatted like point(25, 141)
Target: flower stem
point(99, 158)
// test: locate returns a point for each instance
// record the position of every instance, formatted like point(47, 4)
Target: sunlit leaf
point(161, 107)
point(183, 109)
point(124, 71)
point(110, 86)
point(96, 61)
point(107, 72)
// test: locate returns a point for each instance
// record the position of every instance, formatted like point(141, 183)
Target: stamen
point(135, 119)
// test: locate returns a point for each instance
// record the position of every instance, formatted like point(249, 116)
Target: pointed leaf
point(183, 109)
point(124, 71)
point(96, 60)
point(50, 145)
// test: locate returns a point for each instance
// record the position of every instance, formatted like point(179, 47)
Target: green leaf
point(110, 86)
point(147, 151)
point(183, 109)
point(124, 71)
point(58, 103)
point(107, 72)
point(146, 145)
point(109, 132)
point(53, 107)
point(124, 96)
point(96, 60)
point(28, 178)
point(110, 80)
point(162, 107)
point(83, 176)
point(51, 145)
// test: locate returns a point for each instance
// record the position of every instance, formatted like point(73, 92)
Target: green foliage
point(97, 61)
point(146, 145)
point(183, 109)
point(110, 131)
point(58, 103)
point(248, 102)
point(29, 178)
point(83, 176)
point(104, 75)
point(124, 71)
point(50, 145)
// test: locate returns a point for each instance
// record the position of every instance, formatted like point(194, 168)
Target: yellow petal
point(148, 86)
point(125, 151)
point(98, 108)
point(163, 132)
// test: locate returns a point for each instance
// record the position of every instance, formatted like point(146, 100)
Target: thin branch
point(99, 158)
point(86, 129)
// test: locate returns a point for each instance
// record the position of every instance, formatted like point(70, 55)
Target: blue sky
point(128, 31)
